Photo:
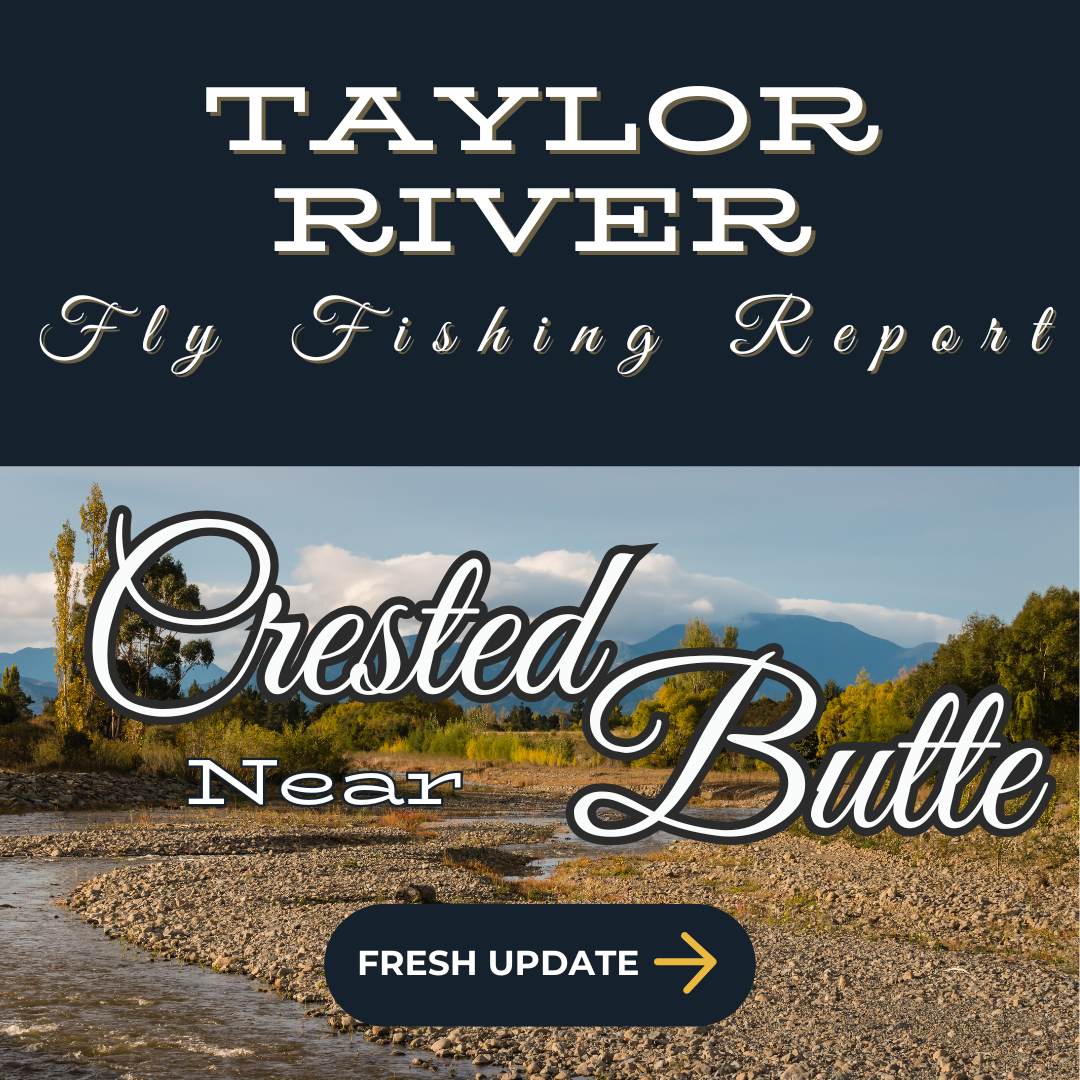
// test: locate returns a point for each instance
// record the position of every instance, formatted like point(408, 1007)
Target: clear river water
point(74, 1003)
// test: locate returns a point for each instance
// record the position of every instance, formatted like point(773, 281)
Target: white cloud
point(658, 594)
point(26, 611)
point(661, 593)
point(906, 628)
point(328, 577)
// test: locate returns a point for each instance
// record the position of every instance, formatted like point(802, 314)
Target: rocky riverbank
point(60, 791)
point(824, 1009)
point(535, 791)
point(953, 898)
point(871, 961)
point(21, 792)
point(234, 836)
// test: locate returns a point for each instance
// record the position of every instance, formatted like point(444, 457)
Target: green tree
point(699, 635)
point(520, 718)
point(865, 712)
point(577, 714)
point(831, 689)
point(250, 707)
point(292, 713)
point(152, 662)
point(1037, 664)
point(1034, 658)
point(808, 745)
point(14, 703)
point(969, 660)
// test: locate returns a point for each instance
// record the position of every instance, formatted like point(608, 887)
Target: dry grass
point(404, 761)
point(409, 820)
point(564, 779)
point(532, 890)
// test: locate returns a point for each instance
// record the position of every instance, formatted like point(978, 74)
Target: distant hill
point(825, 649)
point(38, 674)
point(32, 664)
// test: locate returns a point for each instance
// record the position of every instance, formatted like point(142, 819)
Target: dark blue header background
point(120, 185)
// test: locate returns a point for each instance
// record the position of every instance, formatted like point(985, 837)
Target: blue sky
point(830, 541)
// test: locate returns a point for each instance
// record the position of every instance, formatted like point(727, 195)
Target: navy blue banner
point(563, 235)
point(565, 964)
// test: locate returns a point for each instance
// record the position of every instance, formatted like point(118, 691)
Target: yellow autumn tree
point(67, 589)
point(865, 712)
point(685, 697)
point(78, 707)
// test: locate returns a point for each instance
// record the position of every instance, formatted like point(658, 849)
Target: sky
point(905, 554)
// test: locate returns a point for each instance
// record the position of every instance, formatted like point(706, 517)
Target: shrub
point(160, 758)
point(228, 742)
point(306, 750)
point(546, 750)
point(366, 725)
point(114, 755)
point(18, 741)
point(48, 752)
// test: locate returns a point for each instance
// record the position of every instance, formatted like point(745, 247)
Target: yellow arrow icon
point(707, 962)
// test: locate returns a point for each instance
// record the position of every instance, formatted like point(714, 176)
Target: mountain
point(824, 649)
point(32, 663)
point(38, 674)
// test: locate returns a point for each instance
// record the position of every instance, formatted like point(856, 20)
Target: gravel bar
point(867, 966)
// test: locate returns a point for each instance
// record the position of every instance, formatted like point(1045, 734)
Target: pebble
point(50, 791)
point(853, 980)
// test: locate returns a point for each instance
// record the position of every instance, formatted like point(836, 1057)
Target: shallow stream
point(565, 845)
point(74, 1003)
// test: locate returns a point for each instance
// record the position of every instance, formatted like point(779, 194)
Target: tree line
point(1035, 657)
point(154, 663)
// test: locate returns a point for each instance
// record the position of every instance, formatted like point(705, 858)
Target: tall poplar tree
point(77, 705)
point(68, 581)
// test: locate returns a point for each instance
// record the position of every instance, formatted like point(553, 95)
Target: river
point(75, 1004)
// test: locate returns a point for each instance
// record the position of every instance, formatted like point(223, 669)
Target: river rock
point(413, 893)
